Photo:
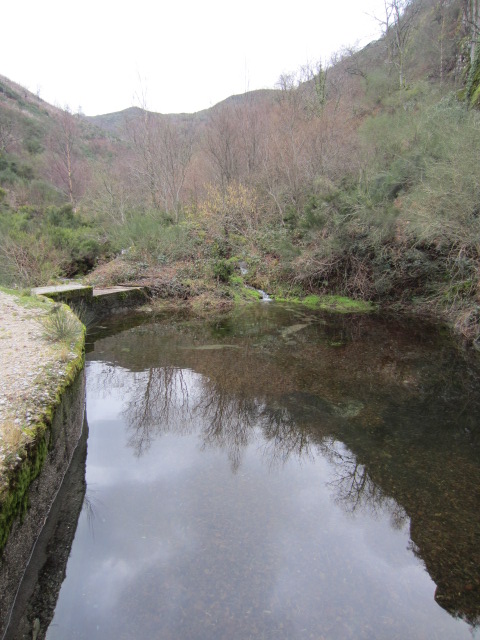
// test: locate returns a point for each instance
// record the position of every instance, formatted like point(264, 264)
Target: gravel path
point(29, 366)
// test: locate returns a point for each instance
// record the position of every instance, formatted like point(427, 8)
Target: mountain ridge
point(114, 122)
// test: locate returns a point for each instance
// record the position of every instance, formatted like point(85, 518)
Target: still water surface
point(278, 474)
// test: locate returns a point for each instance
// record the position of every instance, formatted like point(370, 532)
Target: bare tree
point(162, 154)
point(302, 125)
point(145, 166)
point(398, 24)
point(221, 144)
point(113, 193)
point(66, 167)
point(251, 127)
point(440, 11)
point(313, 87)
point(175, 153)
point(471, 20)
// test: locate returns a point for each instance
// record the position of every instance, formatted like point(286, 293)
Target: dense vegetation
point(360, 178)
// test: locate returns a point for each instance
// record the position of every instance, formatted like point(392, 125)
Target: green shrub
point(43, 194)
point(12, 170)
point(148, 235)
point(222, 269)
point(62, 217)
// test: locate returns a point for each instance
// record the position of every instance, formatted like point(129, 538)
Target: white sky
point(185, 55)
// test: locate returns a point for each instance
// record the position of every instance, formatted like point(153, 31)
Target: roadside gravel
point(31, 369)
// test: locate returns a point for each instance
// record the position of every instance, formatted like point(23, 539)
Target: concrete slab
point(102, 302)
point(40, 291)
point(65, 292)
point(112, 290)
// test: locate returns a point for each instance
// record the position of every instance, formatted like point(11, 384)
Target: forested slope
point(360, 177)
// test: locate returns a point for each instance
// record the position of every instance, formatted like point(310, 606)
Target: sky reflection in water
point(216, 512)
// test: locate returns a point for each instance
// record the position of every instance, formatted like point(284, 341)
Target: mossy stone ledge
point(31, 484)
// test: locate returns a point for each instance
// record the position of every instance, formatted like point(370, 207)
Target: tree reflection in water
point(154, 407)
point(355, 490)
point(404, 441)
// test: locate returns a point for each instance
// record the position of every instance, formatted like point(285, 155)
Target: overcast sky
point(184, 55)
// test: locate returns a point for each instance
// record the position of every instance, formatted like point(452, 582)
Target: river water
point(277, 473)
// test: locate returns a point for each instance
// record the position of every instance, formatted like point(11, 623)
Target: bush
point(43, 194)
point(80, 248)
point(28, 261)
point(62, 217)
point(222, 269)
point(149, 236)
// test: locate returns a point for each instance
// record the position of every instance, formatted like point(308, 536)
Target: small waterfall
point(265, 296)
point(243, 270)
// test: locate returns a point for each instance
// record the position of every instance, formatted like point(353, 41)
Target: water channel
point(277, 473)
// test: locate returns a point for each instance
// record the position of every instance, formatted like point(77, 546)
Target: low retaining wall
point(54, 449)
point(99, 303)
point(30, 487)
point(38, 594)
point(106, 302)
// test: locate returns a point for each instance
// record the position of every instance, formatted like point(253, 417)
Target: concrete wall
point(118, 300)
point(61, 438)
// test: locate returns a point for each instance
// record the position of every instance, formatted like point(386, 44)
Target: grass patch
point(12, 441)
point(23, 298)
point(337, 304)
point(61, 325)
point(243, 294)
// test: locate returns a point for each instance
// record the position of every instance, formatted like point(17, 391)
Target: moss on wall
point(14, 498)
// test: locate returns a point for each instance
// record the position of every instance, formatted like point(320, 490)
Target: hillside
point(360, 178)
point(115, 123)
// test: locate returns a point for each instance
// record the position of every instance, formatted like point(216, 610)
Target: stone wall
point(61, 439)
